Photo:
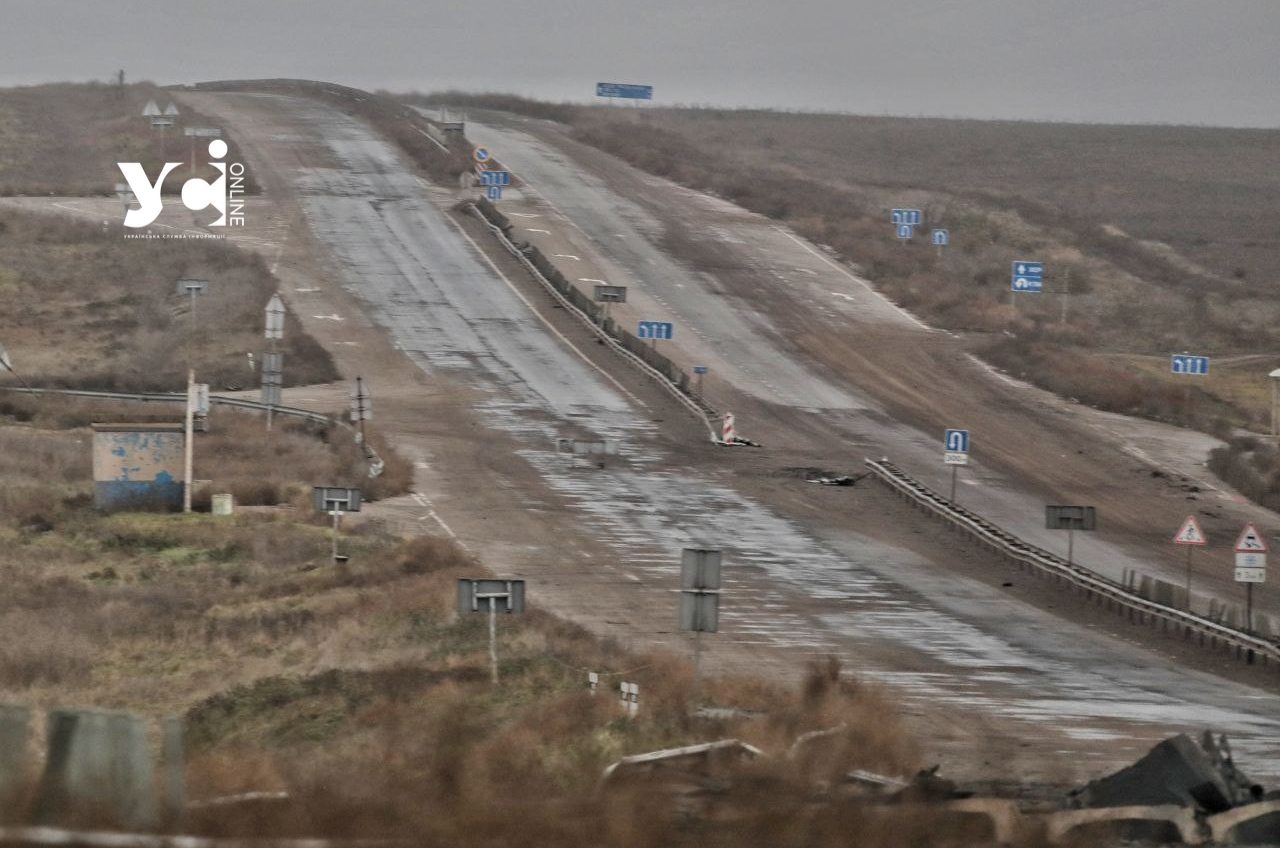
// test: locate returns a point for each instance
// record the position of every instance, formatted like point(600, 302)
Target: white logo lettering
point(197, 194)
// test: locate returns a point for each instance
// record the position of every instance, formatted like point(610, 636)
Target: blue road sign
point(1027, 276)
point(1185, 363)
point(623, 89)
point(656, 330)
point(482, 154)
point(956, 441)
point(495, 178)
point(904, 231)
point(493, 192)
point(699, 369)
point(906, 216)
point(941, 238)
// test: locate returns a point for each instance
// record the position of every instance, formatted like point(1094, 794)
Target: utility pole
point(191, 288)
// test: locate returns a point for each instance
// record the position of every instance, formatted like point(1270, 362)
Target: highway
point(484, 377)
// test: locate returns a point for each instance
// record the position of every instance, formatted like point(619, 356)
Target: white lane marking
point(435, 516)
point(334, 317)
point(590, 280)
point(542, 317)
point(532, 230)
point(808, 271)
point(847, 297)
point(350, 344)
point(922, 325)
point(567, 256)
point(524, 215)
point(306, 291)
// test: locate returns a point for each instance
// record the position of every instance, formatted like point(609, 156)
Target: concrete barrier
point(1251, 824)
point(1162, 824)
point(15, 724)
point(98, 771)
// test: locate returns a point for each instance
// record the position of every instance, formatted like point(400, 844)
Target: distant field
point(66, 138)
point(86, 308)
point(1212, 194)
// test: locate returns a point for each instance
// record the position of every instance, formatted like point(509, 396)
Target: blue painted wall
point(137, 468)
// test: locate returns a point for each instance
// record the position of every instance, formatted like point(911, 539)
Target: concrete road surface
point(488, 375)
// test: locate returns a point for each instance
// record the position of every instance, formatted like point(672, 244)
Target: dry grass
point(66, 138)
point(86, 308)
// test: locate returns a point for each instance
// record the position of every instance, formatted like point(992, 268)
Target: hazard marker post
point(1251, 567)
point(1192, 536)
point(728, 433)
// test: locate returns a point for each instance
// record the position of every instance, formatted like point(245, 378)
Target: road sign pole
point(954, 470)
point(1190, 550)
point(1071, 544)
point(188, 446)
point(1248, 607)
point(697, 664)
point(493, 639)
point(337, 515)
point(1066, 292)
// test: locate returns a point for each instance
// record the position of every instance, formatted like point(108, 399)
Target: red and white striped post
point(728, 435)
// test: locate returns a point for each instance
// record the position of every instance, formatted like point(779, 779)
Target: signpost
point(940, 239)
point(623, 90)
point(1185, 363)
point(607, 294)
point(905, 231)
point(698, 372)
point(699, 599)
point(1251, 567)
point(911, 217)
point(654, 330)
point(272, 362)
point(493, 192)
point(955, 446)
point(495, 178)
point(481, 154)
point(335, 500)
point(1027, 276)
point(1192, 536)
point(484, 595)
point(200, 132)
point(1071, 519)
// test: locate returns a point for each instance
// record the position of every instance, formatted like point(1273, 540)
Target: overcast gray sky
point(1183, 61)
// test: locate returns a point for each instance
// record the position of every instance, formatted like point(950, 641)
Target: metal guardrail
point(597, 329)
point(1079, 576)
point(181, 397)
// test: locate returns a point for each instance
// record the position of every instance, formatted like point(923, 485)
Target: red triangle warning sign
point(1250, 541)
point(1189, 533)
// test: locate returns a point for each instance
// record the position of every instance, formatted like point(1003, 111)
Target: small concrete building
point(138, 466)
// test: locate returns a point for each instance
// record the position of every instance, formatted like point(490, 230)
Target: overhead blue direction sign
point(656, 330)
point(1185, 363)
point(624, 90)
point(1027, 276)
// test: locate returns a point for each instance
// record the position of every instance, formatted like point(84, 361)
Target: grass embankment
point(66, 138)
point(359, 691)
point(85, 308)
